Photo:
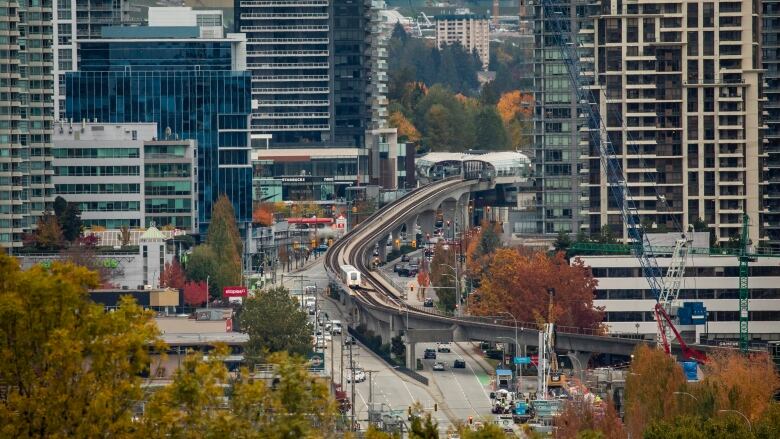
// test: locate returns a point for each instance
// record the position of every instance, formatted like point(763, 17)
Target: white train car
point(350, 276)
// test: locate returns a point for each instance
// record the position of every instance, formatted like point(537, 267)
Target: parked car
point(335, 327)
point(430, 354)
point(349, 340)
point(360, 376)
point(428, 302)
point(443, 347)
point(459, 364)
point(439, 366)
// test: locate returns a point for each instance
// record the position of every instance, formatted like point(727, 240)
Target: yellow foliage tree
point(69, 368)
point(513, 104)
point(406, 128)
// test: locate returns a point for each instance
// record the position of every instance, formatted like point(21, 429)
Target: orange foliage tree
point(514, 104)
point(263, 214)
point(518, 282)
point(406, 128)
point(580, 415)
point(653, 378)
point(739, 382)
point(172, 275)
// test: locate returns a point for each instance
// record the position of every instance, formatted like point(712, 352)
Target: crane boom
point(597, 136)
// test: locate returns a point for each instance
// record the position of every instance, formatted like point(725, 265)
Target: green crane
point(745, 256)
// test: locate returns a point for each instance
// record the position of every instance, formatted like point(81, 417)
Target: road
point(456, 393)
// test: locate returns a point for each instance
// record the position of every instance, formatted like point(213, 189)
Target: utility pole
point(341, 366)
point(352, 381)
point(370, 393)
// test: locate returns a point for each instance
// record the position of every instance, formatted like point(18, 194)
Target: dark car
point(459, 364)
point(428, 302)
point(397, 267)
point(349, 340)
point(322, 248)
point(403, 270)
point(430, 354)
point(405, 258)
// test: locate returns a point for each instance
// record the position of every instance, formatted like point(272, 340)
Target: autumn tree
point(653, 378)
point(515, 104)
point(481, 247)
point(172, 275)
point(582, 413)
point(275, 322)
point(263, 215)
point(69, 368)
point(87, 257)
point(406, 129)
point(195, 293)
point(518, 281)
point(48, 234)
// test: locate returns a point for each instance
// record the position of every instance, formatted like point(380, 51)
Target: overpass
point(377, 304)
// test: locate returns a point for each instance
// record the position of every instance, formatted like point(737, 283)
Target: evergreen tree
point(275, 323)
point(225, 241)
point(491, 134)
point(59, 206)
point(70, 221)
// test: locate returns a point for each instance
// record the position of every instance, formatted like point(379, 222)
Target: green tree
point(397, 347)
point(491, 134)
point(275, 322)
point(60, 204)
point(225, 241)
point(443, 277)
point(562, 242)
point(201, 264)
point(70, 221)
point(424, 427)
point(70, 368)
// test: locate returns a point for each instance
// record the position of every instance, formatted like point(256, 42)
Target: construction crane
point(665, 290)
point(745, 256)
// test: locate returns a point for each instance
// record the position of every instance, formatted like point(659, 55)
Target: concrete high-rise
point(770, 53)
point(26, 116)
point(318, 69)
point(79, 20)
point(557, 148)
point(678, 86)
point(469, 30)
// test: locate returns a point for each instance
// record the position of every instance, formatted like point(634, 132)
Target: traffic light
point(414, 244)
point(471, 420)
point(435, 407)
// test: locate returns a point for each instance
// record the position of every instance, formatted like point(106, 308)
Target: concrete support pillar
point(396, 236)
point(449, 215)
point(382, 251)
point(411, 227)
point(427, 220)
point(410, 358)
point(579, 361)
point(462, 217)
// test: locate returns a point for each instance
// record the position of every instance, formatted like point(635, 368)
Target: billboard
point(234, 292)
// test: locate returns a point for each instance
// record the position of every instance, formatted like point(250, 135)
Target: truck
point(350, 276)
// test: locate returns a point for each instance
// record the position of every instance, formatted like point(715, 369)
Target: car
point(430, 354)
point(328, 337)
point(319, 343)
point(360, 376)
point(405, 258)
point(311, 310)
point(335, 327)
point(459, 364)
point(397, 267)
point(439, 366)
point(403, 271)
point(443, 347)
point(349, 340)
point(428, 303)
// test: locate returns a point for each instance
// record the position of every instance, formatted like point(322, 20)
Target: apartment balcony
point(290, 78)
point(292, 90)
point(281, 66)
point(295, 53)
point(266, 116)
point(263, 41)
point(291, 28)
point(285, 16)
point(284, 3)
point(294, 103)
point(273, 127)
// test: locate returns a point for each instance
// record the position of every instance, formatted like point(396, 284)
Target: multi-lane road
point(457, 394)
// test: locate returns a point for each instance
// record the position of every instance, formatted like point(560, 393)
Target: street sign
point(522, 360)
point(234, 292)
point(317, 361)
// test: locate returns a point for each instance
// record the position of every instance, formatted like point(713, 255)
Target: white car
point(335, 327)
point(438, 366)
point(443, 347)
point(320, 343)
point(328, 337)
point(360, 376)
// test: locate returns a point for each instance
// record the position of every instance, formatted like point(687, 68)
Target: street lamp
point(750, 426)
point(517, 345)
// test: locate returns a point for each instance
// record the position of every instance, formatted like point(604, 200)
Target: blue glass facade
point(157, 81)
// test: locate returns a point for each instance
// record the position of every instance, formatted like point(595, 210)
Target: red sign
point(234, 292)
point(229, 325)
point(535, 360)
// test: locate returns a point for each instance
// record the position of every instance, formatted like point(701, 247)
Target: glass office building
point(193, 88)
